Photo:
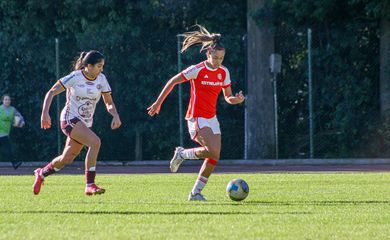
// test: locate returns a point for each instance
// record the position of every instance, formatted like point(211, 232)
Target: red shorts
point(67, 126)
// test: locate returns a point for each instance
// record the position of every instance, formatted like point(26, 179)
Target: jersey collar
point(209, 68)
point(89, 79)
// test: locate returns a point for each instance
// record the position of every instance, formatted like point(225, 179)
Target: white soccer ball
point(237, 189)
point(17, 121)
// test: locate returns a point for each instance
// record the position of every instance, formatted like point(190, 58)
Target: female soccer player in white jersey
point(207, 79)
point(83, 86)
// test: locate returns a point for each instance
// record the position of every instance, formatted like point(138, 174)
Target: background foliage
point(138, 39)
point(345, 55)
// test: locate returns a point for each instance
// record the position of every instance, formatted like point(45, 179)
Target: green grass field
point(154, 206)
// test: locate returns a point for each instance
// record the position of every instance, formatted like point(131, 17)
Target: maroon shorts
point(67, 126)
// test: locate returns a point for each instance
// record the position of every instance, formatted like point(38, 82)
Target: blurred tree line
point(346, 89)
point(138, 39)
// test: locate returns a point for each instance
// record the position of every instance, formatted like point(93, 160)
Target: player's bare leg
point(86, 136)
point(71, 150)
point(210, 150)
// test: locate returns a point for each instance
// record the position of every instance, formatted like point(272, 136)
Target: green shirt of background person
point(9, 117)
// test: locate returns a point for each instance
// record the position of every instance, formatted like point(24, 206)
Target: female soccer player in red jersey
point(84, 87)
point(207, 79)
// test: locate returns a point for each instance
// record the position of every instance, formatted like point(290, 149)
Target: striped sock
point(199, 185)
point(90, 176)
point(49, 169)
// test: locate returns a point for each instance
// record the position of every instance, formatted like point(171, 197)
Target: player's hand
point(45, 121)
point(116, 122)
point(154, 109)
point(240, 97)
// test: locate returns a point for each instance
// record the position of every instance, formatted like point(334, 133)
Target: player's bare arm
point(110, 106)
point(233, 99)
point(45, 117)
point(156, 106)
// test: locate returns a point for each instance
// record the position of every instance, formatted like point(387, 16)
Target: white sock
point(199, 185)
point(189, 154)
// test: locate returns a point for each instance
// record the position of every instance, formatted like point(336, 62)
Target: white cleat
point(176, 160)
point(196, 197)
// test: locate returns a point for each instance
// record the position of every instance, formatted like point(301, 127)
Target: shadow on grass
point(316, 203)
point(151, 213)
point(249, 203)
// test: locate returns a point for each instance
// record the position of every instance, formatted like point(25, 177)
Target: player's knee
point(96, 143)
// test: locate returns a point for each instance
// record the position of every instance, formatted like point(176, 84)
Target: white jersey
point(82, 96)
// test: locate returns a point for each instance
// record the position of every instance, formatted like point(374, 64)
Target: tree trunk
point(259, 121)
point(385, 62)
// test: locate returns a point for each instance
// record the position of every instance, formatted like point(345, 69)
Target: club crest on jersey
point(219, 76)
point(99, 86)
point(86, 110)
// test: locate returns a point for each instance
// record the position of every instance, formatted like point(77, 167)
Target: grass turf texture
point(154, 206)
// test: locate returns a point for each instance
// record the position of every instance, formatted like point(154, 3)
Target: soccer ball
point(237, 189)
point(17, 121)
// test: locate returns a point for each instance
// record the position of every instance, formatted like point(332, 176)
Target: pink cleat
point(93, 189)
point(38, 181)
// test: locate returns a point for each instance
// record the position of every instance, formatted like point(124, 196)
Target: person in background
point(9, 117)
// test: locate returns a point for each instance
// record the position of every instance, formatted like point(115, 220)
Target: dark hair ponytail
point(78, 63)
point(85, 58)
point(210, 41)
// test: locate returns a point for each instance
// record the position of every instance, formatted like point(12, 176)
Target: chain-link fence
point(343, 107)
point(140, 137)
point(327, 92)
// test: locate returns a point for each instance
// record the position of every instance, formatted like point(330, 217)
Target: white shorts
point(197, 123)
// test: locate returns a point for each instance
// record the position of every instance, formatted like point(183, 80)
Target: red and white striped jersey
point(206, 84)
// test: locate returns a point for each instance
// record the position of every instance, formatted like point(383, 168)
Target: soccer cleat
point(93, 189)
point(176, 160)
point(38, 181)
point(196, 197)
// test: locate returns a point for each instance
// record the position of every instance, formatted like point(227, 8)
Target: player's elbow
point(50, 93)
point(109, 106)
point(172, 82)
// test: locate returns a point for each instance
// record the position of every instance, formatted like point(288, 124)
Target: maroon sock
point(90, 176)
point(48, 170)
